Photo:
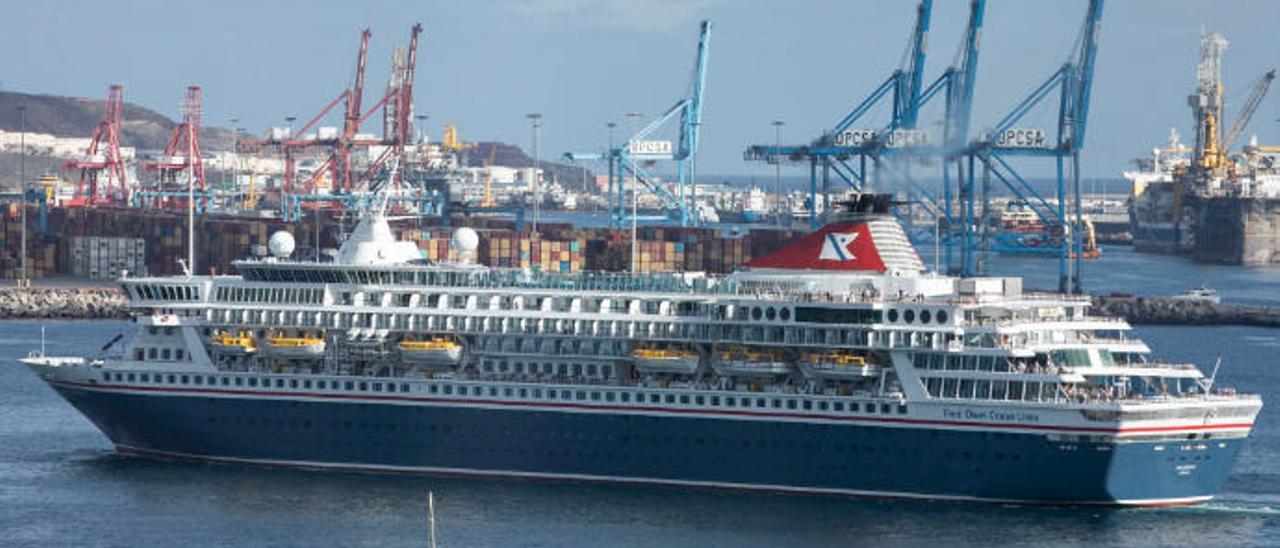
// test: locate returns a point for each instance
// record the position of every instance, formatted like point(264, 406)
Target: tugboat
point(1200, 294)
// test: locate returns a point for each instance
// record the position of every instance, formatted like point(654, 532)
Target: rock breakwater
point(62, 303)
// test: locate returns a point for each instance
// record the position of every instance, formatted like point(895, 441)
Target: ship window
point(106, 377)
point(595, 396)
point(654, 398)
point(580, 395)
point(320, 384)
point(785, 314)
point(493, 392)
point(925, 316)
point(186, 379)
point(902, 409)
point(279, 383)
point(909, 316)
point(592, 370)
point(433, 389)
point(884, 408)
point(151, 353)
point(699, 400)
point(777, 403)
point(609, 396)
point(808, 405)
point(145, 377)
point(306, 384)
point(475, 390)
point(448, 388)
point(198, 379)
point(893, 315)
point(364, 386)
point(791, 404)
point(869, 408)
point(837, 406)
point(771, 314)
point(253, 381)
point(179, 354)
point(671, 398)
point(519, 367)
point(822, 406)
point(164, 353)
point(226, 381)
point(626, 396)
point(755, 313)
point(508, 392)
point(760, 402)
point(551, 394)
point(729, 401)
point(239, 381)
point(942, 316)
point(139, 354)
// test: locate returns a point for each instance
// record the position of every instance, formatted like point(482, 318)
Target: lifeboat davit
point(680, 361)
point(239, 344)
point(837, 365)
point(436, 351)
point(743, 362)
point(303, 346)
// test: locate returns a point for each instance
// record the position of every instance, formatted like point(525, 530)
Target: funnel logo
point(836, 246)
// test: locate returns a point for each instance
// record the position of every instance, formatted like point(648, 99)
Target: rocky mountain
point(60, 116)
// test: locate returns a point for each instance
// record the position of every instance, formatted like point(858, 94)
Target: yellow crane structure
point(488, 200)
point(449, 141)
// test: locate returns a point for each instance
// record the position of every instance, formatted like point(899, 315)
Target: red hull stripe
point(672, 410)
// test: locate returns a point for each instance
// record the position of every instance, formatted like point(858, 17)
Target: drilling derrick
point(103, 157)
point(1206, 105)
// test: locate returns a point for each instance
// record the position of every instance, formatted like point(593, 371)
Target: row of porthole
point(909, 316)
point(771, 313)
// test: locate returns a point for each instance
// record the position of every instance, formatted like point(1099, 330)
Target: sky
point(484, 65)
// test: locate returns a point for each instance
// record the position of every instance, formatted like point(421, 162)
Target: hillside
point(60, 116)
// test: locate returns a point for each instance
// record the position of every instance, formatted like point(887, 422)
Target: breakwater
point(1169, 311)
point(97, 303)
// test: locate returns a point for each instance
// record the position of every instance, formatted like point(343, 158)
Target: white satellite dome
point(465, 239)
point(465, 242)
point(281, 244)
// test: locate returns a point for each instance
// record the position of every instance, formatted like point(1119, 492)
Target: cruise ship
point(836, 365)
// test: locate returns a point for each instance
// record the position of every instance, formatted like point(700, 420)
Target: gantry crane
point(103, 157)
point(1073, 83)
point(642, 150)
point(182, 154)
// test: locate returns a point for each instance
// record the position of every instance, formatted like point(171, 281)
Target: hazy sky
point(484, 65)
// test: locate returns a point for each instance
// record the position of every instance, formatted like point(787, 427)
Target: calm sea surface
point(61, 484)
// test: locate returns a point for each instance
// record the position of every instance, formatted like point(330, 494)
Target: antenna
point(1213, 376)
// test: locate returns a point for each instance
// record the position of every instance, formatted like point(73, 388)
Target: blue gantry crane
point(1072, 82)
point(839, 149)
point(641, 151)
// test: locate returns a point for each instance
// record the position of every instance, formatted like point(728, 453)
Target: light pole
point(777, 169)
point(536, 119)
point(235, 140)
point(421, 119)
point(635, 202)
point(609, 161)
point(22, 189)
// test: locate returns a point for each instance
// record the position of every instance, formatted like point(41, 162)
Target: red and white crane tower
point(181, 154)
point(103, 157)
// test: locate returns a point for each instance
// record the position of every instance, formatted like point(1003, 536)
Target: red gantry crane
point(103, 157)
point(180, 155)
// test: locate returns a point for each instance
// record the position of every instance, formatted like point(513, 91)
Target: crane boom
point(1250, 106)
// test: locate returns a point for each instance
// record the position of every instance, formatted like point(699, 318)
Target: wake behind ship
point(834, 365)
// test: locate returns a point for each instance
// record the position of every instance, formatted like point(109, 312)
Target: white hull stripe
point(125, 449)
point(713, 413)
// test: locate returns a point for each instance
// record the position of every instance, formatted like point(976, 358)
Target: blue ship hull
point(852, 459)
